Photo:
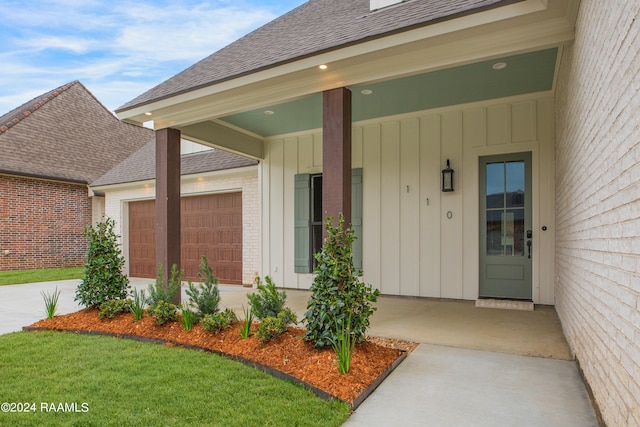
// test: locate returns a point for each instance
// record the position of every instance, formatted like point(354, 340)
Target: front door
point(505, 226)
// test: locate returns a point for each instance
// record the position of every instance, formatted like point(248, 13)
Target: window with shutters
point(308, 219)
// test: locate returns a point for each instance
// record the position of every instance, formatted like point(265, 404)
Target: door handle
point(529, 248)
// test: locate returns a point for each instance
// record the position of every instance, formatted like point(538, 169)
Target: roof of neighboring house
point(141, 166)
point(68, 135)
point(315, 27)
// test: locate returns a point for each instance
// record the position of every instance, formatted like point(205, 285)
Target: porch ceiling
point(525, 73)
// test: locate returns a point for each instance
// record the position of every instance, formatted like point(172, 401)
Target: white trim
point(246, 170)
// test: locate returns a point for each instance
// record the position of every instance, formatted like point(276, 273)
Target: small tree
point(103, 277)
point(338, 300)
point(206, 296)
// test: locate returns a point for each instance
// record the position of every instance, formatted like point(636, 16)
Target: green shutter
point(302, 216)
point(356, 216)
point(302, 202)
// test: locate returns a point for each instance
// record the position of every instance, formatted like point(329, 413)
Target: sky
point(118, 49)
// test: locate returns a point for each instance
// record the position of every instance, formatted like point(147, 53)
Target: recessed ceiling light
point(323, 66)
point(366, 91)
point(269, 112)
point(499, 65)
point(148, 113)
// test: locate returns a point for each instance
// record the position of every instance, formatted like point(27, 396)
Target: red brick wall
point(41, 223)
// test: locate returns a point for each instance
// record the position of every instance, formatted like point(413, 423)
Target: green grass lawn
point(129, 383)
point(43, 275)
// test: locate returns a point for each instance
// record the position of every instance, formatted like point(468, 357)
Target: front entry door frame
point(506, 233)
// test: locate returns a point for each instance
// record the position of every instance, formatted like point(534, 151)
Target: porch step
point(505, 304)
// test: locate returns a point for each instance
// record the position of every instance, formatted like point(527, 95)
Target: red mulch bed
point(288, 353)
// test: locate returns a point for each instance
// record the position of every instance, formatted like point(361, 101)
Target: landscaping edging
point(272, 371)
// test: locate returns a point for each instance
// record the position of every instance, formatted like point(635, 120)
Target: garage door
point(211, 226)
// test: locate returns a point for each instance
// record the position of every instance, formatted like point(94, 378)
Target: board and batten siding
point(410, 246)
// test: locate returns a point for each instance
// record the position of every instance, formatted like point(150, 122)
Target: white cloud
point(181, 33)
point(117, 48)
point(73, 44)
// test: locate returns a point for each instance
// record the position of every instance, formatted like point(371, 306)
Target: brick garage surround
point(41, 223)
point(598, 204)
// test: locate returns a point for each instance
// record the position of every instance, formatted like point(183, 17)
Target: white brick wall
point(246, 181)
point(598, 204)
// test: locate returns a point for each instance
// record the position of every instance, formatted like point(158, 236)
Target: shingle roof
point(66, 134)
point(316, 26)
point(140, 166)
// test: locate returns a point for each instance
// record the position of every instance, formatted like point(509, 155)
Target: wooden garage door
point(211, 226)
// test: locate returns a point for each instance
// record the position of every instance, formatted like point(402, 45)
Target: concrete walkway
point(447, 386)
point(472, 368)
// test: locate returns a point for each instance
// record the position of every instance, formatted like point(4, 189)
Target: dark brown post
point(336, 155)
point(168, 201)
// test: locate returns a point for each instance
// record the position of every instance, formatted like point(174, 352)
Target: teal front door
point(506, 236)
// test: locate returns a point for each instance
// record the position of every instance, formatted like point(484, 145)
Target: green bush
point(218, 321)
point(138, 304)
point(336, 292)
point(206, 296)
point(158, 291)
point(113, 307)
point(188, 318)
point(268, 301)
point(245, 326)
point(343, 346)
point(51, 302)
point(103, 277)
point(288, 316)
point(273, 326)
point(163, 311)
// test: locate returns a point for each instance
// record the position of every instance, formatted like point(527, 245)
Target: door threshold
point(505, 304)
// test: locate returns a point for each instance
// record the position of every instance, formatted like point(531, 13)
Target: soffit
point(525, 73)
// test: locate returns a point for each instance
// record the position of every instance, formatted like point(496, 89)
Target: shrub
point(207, 295)
point(273, 326)
point(158, 291)
point(343, 346)
point(50, 302)
point(245, 327)
point(218, 321)
point(103, 279)
point(288, 316)
point(137, 305)
point(163, 311)
point(268, 301)
point(113, 307)
point(188, 318)
point(336, 292)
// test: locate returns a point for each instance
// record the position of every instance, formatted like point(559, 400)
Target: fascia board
point(151, 183)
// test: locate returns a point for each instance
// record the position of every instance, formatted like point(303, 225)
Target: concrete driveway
point(460, 375)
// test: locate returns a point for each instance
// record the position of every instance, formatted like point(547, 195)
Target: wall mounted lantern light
point(447, 179)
